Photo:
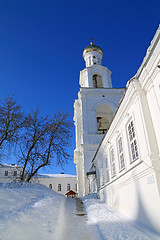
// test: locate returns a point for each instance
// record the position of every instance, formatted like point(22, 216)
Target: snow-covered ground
point(28, 211)
point(34, 212)
point(113, 226)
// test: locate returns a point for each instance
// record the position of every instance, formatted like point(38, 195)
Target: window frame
point(107, 175)
point(102, 173)
point(121, 153)
point(98, 176)
point(6, 173)
point(132, 139)
point(68, 187)
point(59, 187)
point(112, 162)
point(15, 173)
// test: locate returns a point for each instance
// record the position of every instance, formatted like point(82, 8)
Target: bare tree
point(11, 121)
point(43, 140)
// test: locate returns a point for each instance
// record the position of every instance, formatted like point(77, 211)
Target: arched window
point(97, 81)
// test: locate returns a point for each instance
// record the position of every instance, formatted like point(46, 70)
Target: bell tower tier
point(95, 76)
point(93, 55)
point(93, 112)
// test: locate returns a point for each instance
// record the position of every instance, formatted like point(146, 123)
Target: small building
point(71, 194)
point(60, 183)
point(9, 172)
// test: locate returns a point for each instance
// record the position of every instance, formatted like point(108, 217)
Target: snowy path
point(35, 212)
point(72, 226)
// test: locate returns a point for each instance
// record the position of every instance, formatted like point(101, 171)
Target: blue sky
point(41, 46)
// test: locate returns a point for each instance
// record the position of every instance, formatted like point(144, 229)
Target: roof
point(71, 192)
point(56, 176)
point(11, 165)
point(92, 48)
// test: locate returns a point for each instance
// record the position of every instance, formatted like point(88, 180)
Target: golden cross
point(91, 40)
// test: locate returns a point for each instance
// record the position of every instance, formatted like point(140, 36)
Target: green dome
point(92, 48)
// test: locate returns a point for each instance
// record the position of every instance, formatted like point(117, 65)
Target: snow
point(11, 165)
point(113, 226)
point(28, 211)
point(33, 211)
point(62, 175)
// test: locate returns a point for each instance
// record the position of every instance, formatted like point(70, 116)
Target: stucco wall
point(135, 190)
point(59, 180)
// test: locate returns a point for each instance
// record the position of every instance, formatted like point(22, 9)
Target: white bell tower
point(93, 111)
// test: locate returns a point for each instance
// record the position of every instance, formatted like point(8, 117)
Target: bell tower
point(93, 111)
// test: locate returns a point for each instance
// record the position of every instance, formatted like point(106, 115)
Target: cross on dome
point(91, 40)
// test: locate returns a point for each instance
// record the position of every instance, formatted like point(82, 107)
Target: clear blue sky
point(41, 45)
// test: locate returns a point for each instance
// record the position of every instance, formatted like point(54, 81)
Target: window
point(98, 180)
point(121, 154)
point(50, 186)
point(107, 170)
point(6, 173)
point(133, 141)
point(113, 165)
point(59, 187)
point(102, 174)
point(15, 173)
point(68, 187)
point(76, 187)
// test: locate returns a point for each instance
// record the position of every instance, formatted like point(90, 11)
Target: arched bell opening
point(102, 125)
point(97, 81)
point(104, 117)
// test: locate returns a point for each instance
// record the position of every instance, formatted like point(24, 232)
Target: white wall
point(135, 190)
point(10, 168)
point(56, 179)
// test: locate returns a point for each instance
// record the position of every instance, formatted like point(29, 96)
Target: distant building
point(9, 172)
point(60, 183)
point(117, 150)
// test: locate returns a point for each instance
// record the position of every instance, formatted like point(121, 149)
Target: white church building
point(117, 150)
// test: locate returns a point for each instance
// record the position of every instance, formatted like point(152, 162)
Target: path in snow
point(72, 226)
point(35, 212)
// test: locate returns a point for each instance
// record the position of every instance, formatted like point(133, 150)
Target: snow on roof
point(9, 165)
point(55, 176)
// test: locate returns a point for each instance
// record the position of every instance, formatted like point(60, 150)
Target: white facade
point(61, 183)
point(127, 162)
point(93, 112)
point(9, 172)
